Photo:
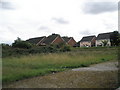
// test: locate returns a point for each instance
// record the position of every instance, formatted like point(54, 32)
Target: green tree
point(18, 43)
point(115, 38)
point(5, 46)
point(104, 42)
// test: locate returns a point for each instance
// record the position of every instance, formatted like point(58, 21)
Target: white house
point(103, 37)
point(88, 41)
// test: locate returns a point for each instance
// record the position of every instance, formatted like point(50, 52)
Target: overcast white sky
point(74, 18)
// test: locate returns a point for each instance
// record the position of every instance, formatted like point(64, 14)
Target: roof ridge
point(50, 38)
point(90, 36)
point(87, 38)
point(105, 33)
point(103, 36)
point(36, 37)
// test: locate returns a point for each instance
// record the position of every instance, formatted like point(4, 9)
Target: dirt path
point(102, 75)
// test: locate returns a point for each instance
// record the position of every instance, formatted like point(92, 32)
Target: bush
point(21, 44)
point(24, 48)
point(65, 48)
point(5, 46)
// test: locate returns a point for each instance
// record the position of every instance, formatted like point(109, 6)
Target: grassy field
point(17, 68)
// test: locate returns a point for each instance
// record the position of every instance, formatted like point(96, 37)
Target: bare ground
point(104, 75)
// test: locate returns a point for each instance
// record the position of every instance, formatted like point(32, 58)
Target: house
point(69, 40)
point(37, 40)
point(77, 44)
point(53, 39)
point(88, 41)
point(103, 37)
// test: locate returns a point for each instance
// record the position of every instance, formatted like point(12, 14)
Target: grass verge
point(15, 69)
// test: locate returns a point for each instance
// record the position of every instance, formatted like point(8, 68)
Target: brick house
point(53, 39)
point(37, 40)
point(88, 41)
point(69, 40)
point(103, 37)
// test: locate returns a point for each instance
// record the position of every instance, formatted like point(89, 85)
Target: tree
point(18, 43)
point(5, 46)
point(105, 42)
point(115, 38)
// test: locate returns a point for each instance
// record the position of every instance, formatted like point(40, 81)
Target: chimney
point(53, 33)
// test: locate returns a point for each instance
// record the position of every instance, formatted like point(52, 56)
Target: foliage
point(21, 44)
point(66, 48)
point(63, 47)
point(104, 42)
point(22, 48)
point(5, 46)
point(115, 38)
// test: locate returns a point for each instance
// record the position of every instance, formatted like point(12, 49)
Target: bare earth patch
point(104, 75)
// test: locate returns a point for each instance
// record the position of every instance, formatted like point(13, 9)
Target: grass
point(15, 69)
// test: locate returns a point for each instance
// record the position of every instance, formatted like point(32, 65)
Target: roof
point(103, 36)
point(35, 40)
point(50, 38)
point(87, 38)
point(66, 38)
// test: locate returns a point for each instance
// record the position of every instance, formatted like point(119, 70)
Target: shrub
point(65, 48)
point(21, 44)
point(24, 48)
point(5, 46)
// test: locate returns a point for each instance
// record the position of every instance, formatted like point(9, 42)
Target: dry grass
point(41, 64)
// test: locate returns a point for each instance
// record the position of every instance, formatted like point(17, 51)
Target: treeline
point(20, 47)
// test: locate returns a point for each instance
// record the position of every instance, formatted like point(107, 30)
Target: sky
point(73, 18)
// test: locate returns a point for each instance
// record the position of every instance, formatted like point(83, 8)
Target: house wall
point(72, 42)
point(58, 40)
point(99, 42)
point(85, 44)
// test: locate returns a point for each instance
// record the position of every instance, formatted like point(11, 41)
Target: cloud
point(43, 28)
point(34, 19)
point(85, 32)
point(6, 5)
point(60, 20)
point(99, 7)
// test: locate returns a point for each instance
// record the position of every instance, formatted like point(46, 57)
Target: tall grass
point(41, 64)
